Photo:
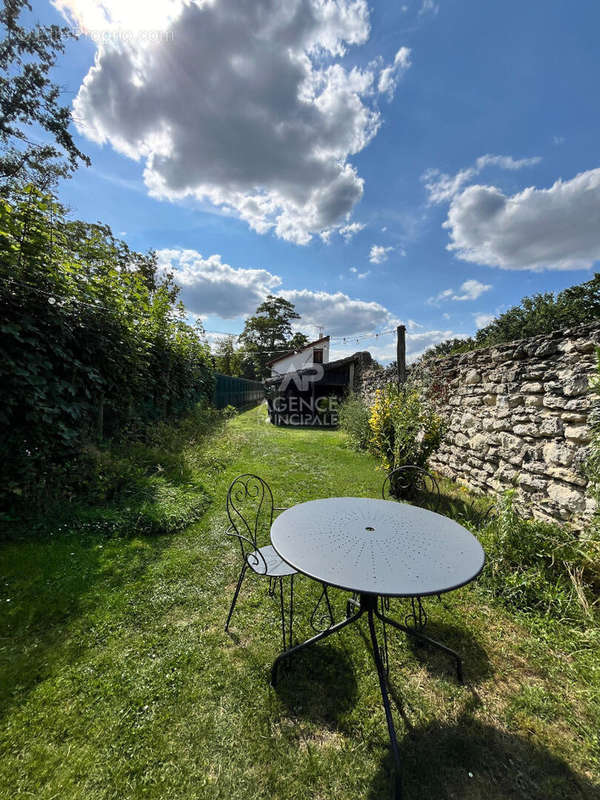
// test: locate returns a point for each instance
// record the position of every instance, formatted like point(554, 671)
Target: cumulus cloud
point(389, 76)
point(208, 286)
point(481, 320)
point(242, 105)
point(378, 253)
point(536, 229)
point(442, 187)
point(347, 232)
point(362, 275)
point(469, 290)
point(384, 349)
point(338, 313)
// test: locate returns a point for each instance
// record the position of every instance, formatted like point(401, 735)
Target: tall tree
point(228, 360)
point(269, 332)
point(29, 103)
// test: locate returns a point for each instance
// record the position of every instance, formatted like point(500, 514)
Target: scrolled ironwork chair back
point(412, 484)
point(250, 512)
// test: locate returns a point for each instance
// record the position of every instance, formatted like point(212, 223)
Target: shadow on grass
point(64, 597)
point(476, 664)
point(469, 760)
point(319, 683)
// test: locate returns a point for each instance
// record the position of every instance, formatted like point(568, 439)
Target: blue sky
point(334, 151)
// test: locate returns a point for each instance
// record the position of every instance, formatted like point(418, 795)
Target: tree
point(30, 100)
point(268, 333)
point(538, 314)
point(228, 360)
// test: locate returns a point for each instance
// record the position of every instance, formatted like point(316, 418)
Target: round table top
point(377, 546)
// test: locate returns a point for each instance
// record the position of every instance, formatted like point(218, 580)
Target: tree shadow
point(54, 583)
point(469, 760)
point(319, 683)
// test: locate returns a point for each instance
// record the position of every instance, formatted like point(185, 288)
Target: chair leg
point(329, 609)
point(235, 594)
point(282, 613)
point(291, 607)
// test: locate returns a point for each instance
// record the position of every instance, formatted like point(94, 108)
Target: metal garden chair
point(250, 510)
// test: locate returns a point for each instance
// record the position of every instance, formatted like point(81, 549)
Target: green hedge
point(93, 342)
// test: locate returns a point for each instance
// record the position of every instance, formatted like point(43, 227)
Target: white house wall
point(300, 360)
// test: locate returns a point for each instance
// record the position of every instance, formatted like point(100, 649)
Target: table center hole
point(369, 528)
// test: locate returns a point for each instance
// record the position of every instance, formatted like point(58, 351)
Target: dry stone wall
point(518, 416)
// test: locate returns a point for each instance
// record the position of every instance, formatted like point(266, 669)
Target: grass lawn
point(118, 681)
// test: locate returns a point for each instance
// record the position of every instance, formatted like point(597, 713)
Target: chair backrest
point(412, 484)
point(250, 512)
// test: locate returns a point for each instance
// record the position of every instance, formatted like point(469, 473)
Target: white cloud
point(481, 320)
point(378, 253)
point(242, 105)
point(353, 269)
point(338, 313)
point(469, 290)
point(350, 230)
point(445, 294)
point(383, 349)
point(389, 76)
point(443, 187)
point(429, 7)
point(556, 228)
point(208, 286)
point(366, 274)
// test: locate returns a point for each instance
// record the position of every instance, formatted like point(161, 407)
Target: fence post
point(401, 353)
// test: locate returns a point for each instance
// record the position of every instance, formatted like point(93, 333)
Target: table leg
point(313, 640)
point(423, 638)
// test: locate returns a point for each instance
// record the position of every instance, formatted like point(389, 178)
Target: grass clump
point(158, 483)
point(354, 421)
point(536, 566)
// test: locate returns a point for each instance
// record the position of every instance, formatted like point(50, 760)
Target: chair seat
point(276, 566)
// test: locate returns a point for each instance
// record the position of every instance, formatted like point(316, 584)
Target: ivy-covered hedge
point(93, 342)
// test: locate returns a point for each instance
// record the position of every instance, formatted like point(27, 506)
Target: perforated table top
point(377, 546)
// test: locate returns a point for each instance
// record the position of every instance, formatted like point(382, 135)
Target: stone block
point(556, 453)
point(578, 433)
point(546, 349)
point(566, 475)
point(535, 400)
point(566, 496)
point(576, 385)
point(472, 377)
point(532, 388)
point(552, 401)
point(551, 426)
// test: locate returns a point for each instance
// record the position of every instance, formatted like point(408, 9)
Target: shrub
point(354, 420)
point(93, 344)
point(404, 428)
point(536, 566)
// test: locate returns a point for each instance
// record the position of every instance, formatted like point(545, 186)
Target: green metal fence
point(237, 391)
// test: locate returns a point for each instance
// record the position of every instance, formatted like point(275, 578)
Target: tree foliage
point(92, 340)
point(268, 333)
point(538, 314)
point(29, 102)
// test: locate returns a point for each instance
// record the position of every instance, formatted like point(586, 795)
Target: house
point(310, 391)
point(316, 352)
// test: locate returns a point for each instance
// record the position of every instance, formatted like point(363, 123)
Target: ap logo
point(302, 377)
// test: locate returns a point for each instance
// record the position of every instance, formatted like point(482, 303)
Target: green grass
point(118, 680)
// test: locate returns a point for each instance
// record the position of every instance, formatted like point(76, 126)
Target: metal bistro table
point(376, 548)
